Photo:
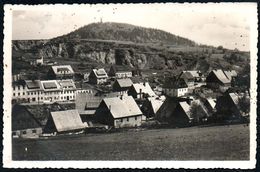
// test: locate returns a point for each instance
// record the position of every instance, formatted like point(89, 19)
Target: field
point(195, 143)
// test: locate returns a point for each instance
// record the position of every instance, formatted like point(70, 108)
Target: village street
point(228, 142)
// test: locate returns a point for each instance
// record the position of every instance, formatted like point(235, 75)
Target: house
point(181, 115)
point(141, 90)
point(98, 76)
point(188, 77)
point(19, 91)
point(122, 85)
point(34, 91)
point(24, 123)
point(151, 106)
point(166, 109)
point(175, 87)
point(68, 90)
point(119, 112)
point(227, 106)
point(61, 72)
point(120, 71)
point(64, 122)
point(218, 79)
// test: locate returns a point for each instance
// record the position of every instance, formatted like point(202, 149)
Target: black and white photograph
point(164, 85)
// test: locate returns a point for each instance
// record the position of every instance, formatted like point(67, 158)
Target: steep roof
point(61, 68)
point(221, 76)
point(67, 120)
point(234, 97)
point(211, 102)
point(175, 83)
point(126, 82)
point(23, 119)
point(156, 104)
point(131, 105)
point(186, 108)
point(230, 74)
point(120, 108)
point(86, 101)
point(145, 87)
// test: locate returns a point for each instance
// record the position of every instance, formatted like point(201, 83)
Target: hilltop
point(126, 32)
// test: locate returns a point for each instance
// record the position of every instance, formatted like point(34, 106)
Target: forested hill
point(127, 32)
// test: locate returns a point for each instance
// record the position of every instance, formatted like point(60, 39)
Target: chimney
point(121, 97)
point(140, 93)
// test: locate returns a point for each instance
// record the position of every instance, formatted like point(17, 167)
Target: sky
point(226, 24)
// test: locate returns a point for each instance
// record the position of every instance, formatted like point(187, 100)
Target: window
point(121, 119)
point(18, 87)
point(23, 93)
point(33, 131)
point(13, 88)
point(13, 133)
point(41, 98)
point(13, 94)
point(18, 94)
point(24, 132)
point(136, 118)
point(127, 119)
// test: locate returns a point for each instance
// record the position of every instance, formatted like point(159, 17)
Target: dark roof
point(23, 119)
point(187, 75)
point(175, 83)
point(49, 85)
point(19, 82)
point(33, 84)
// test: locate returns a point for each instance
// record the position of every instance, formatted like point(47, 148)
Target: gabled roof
point(100, 73)
point(234, 97)
point(86, 101)
point(211, 102)
point(230, 74)
point(156, 104)
point(145, 87)
point(61, 68)
point(221, 76)
point(131, 105)
point(127, 82)
point(186, 108)
point(23, 119)
point(175, 83)
point(187, 75)
point(121, 108)
point(67, 120)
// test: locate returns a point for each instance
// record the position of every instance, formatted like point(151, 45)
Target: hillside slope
point(127, 32)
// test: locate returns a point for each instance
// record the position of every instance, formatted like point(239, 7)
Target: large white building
point(44, 91)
